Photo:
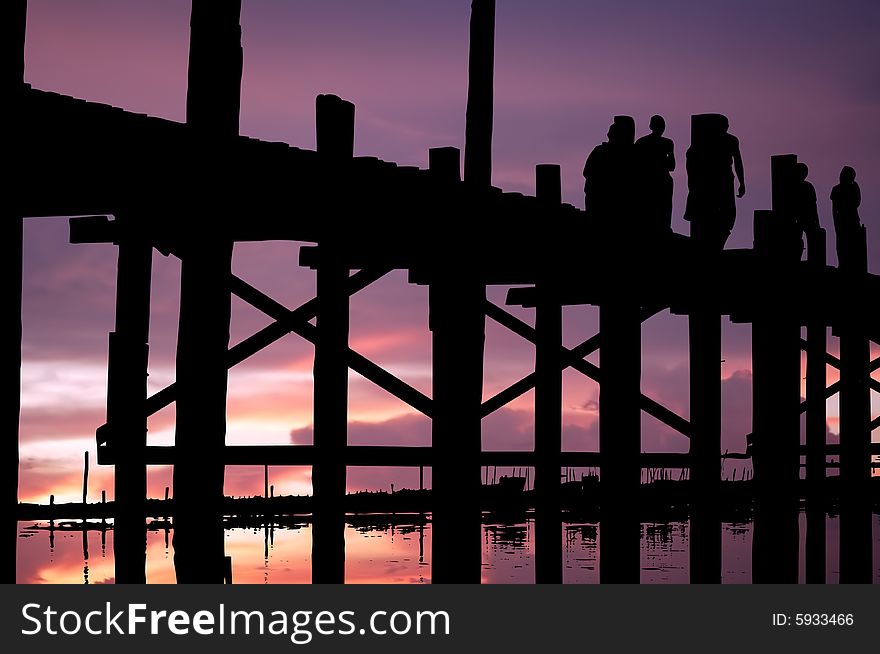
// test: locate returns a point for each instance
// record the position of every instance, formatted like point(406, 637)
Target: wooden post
point(619, 439)
point(481, 72)
point(548, 183)
point(816, 422)
point(126, 393)
point(548, 407)
point(704, 332)
point(13, 17)
point(458, 328)
point(855, 430)
point(457, 322)
point(213, 99)
point(335, 138)
point(776, 390)
point(266, 481)
point(445, 164)
point(85, 494)
point(704, 327)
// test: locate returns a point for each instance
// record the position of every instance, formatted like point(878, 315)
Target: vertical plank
point(619, 441)
point(776, 396)
point(335, 139)
point(481, 72)
point(855, 427)
point(458, 334)
point(13, 19)
point(815, 550)
point(548, 404)
point(213, 100)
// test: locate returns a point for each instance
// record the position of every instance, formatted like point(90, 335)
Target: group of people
point(629, 177)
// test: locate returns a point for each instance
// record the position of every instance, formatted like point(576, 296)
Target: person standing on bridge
point(805, 211)
point(608, 174)
point(845, 200)
point(655, 156)
point(711, 204)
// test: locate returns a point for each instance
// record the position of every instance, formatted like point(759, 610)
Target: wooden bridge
point(193, 190)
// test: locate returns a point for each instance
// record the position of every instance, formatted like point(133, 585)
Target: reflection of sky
point(806, 83)
point(403, 554)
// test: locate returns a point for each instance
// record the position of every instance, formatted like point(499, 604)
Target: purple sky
point(792, 76)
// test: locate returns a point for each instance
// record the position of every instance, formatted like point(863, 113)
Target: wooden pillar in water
point(548, 404)
point(335, 139)
point(13, 17)
point(458, 324)
point(855, 424)
point(213, 100)
point(458, 334)
point(704, 329)
point(776, 358)
point(481, 73)
point(816, 421)
point(704, 334)
point(619, 435)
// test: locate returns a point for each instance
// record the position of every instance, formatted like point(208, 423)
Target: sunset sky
point(792, 77)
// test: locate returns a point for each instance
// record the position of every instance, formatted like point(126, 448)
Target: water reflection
point(394, 549)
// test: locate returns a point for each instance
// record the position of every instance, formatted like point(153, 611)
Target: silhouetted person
point(608, 174)
point(711, 204)
point(805, 211)
point(655, 155)
point(845, 200)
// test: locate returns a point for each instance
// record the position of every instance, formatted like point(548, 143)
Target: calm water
point(395, 554)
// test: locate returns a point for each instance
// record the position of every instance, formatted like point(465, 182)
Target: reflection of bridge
point(193, 190)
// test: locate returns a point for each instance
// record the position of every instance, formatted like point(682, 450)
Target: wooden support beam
point(619, 441)
point(856, 555)
point(816, 346)
point(357, 362)
point(574, 359)
point(776, 394)
point(14, 22)
point(481, 73)
point(457, 323)
point(330, 424)
point(833, 361)
point(445, 164)
point(294, 319)
point(10, 367)
point(126, 393)
point(335, 139)
point(13, 16)
point(401, 456)
point(213, 101)
point(704, 329)
point(548, 411)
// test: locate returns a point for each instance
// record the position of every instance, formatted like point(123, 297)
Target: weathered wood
point(458, 328)
point(126, 392)
point(705, 423)
point(575, 359)
point(548, 417)
point(213, 100)
point(13, 17)
point(548, 183)
point(855, 436)
point(619, 440)
point(481, 72)
point(445, 164)
point(335, 138)
point(268, 335)
point(354, 360)
point(775, 416)
point(816, 347)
